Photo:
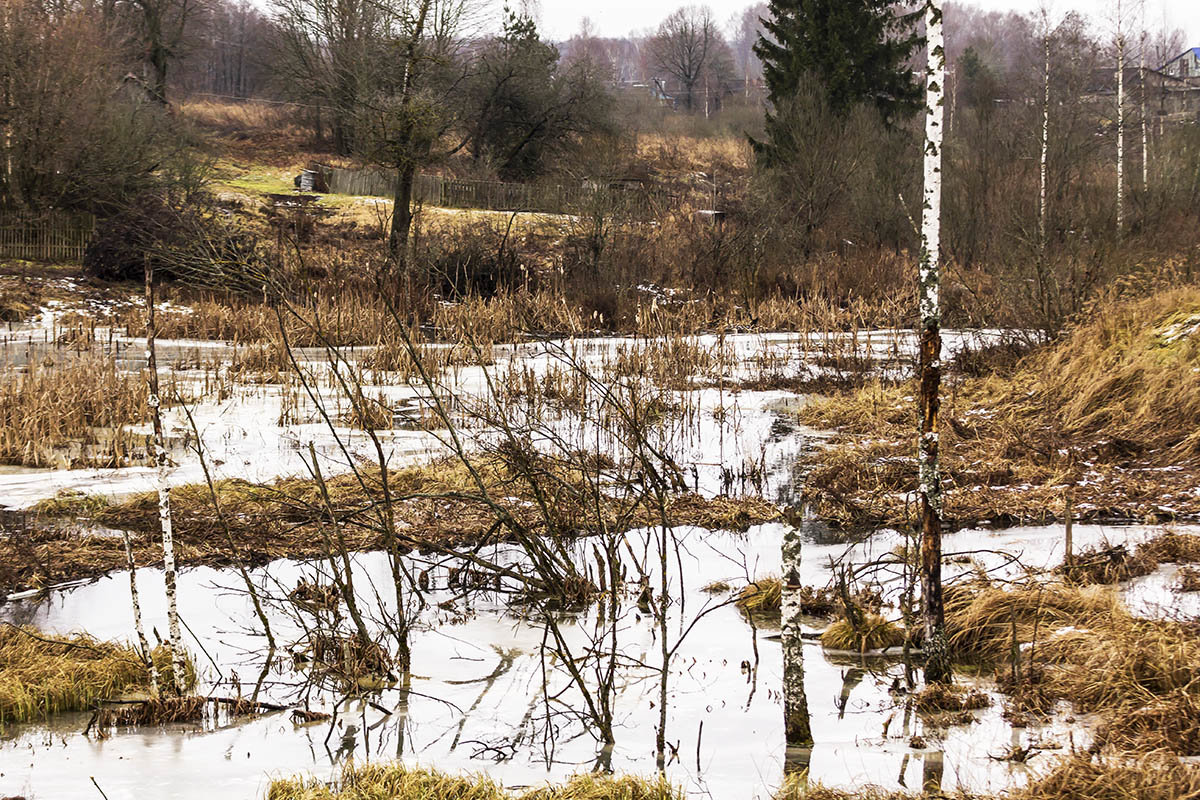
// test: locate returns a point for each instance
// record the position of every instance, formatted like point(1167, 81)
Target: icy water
point(477, 700)
point(486, 693)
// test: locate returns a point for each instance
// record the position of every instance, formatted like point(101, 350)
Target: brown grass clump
point(42, 675)
point(981, 619)
point(1156, 776)
point(397, 782)
point(1118, 392)
point(1081, 645)
point(762, 600)
point(71, 414)
point(876, 633)
point(1108, 564)
point(938, 698)
point(1189, 580)
point(1172, 547)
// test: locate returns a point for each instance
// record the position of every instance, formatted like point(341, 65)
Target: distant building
point(1186, 65)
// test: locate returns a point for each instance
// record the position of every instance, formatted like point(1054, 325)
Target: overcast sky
point(561, 18)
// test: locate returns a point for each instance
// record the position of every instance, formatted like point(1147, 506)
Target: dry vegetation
point(1111, 412)
point(70, 414)
point(433, 504)
point(398, 782)
point(1156, 776)
point(1079, 644)
point(42, 675)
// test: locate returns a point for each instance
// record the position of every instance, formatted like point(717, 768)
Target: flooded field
point(523, 690)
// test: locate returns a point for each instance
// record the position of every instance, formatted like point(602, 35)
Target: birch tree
point(161, 462)
point(796, 725)
point(1044, 159)
point(1142, 80)
point(1120, 118)
point(937, 663)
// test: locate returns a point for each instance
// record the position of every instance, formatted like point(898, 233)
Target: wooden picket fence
point(434, 190)
point(45, 237)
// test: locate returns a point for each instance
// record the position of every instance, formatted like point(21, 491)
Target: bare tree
point(937, 662)
point(683, 45)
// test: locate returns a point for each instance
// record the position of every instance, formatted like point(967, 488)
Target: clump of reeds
point(398, 782)
point(82, 400)
point(949, 697)
point(42, 675)
point(873, 632)
point(1108, 564)
point(350, 660)
point(762, 600)
point(982, 621)
point(1156, 776)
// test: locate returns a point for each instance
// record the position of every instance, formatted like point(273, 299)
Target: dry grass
point(70, 414)
point(398, 782)
point(1113, 407)
point(875, 633)
point(1081, 645)
point(42, 675)
point(282, 519)
point(940, 698)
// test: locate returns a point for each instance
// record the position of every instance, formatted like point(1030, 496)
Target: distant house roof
point(1191, 50)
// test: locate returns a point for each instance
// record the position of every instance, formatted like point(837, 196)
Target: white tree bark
point(1045, 155)
point(1120, 120)
point(1145, 122)
point(174, 637)
point(937, 666)
point(796, 725)
point(135, 602)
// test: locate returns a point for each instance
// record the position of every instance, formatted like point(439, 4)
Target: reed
point(74, 413)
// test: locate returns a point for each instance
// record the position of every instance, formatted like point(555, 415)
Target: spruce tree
point(857, 50)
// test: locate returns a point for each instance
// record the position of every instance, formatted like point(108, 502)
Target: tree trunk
point(402, 216)
point(175, 639)
point(1045, 139)
point(937, 666)
point(135, 603)
point(796, 725)
point(1120, 122)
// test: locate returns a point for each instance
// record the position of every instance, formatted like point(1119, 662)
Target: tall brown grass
point(42, 675)
point(84, 401)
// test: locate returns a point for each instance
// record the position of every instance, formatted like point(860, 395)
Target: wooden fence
point(45, 237)
point(493, 195)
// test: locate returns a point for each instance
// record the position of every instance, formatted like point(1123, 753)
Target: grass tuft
point(398, 782)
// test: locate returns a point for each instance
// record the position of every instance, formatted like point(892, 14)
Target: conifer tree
point(856, 50)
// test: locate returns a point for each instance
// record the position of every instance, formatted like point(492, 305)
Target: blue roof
point(1193, 50)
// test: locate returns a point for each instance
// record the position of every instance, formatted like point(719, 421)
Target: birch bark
point(937, 667)
point(1120, 121)
point(174, 638)
point(796, 724)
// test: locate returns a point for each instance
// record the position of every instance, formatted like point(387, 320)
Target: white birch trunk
point(1145, 122)
point(135, 602)
point(1120, 122)
point(796, 724)
point(1045, 155)
point(174, 637)
point(937, 667)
